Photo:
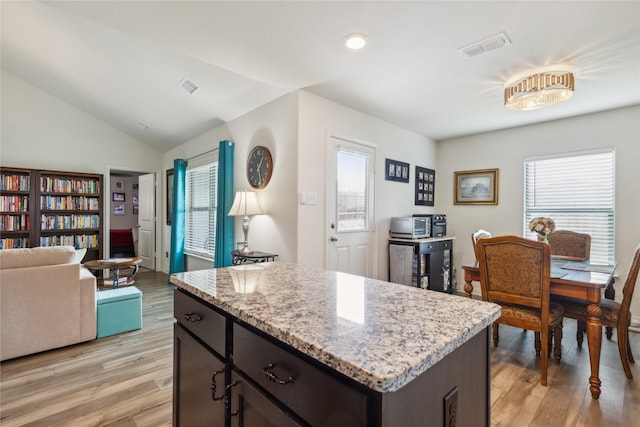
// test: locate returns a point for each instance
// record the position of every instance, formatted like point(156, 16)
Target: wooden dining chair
point(475, 236)
point(515, 273)
point(614, 314)
point(570, 245)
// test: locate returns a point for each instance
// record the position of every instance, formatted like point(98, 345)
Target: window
point(578, 193)
point(200, 215)
point(353, 190)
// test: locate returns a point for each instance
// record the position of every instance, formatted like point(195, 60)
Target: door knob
point(334, 238)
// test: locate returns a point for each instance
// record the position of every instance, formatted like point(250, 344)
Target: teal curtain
point(178, 202)
point(224, 224)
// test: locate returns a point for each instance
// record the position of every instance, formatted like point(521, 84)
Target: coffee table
point(114, 265)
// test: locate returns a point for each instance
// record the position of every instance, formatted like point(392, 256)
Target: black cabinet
point(424, 263)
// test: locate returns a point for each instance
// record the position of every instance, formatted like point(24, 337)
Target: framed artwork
point(135, 209)
point(118, 197)
point(476, 187)
point(134, 200)
point(396, 171)
point(119, 185)
point(118, 209)
point(169, 194)
point(425, 186)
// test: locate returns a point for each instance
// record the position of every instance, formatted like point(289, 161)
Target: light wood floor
point(126, 380)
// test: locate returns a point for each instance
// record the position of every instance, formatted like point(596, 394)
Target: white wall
point(319, 118)
point(274, 126)
point(40, 131)
point(507, 149)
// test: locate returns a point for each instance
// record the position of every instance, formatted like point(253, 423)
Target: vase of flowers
point(542, 227)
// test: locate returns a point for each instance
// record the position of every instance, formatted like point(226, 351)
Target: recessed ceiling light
point(188, 85)
point(355, 40)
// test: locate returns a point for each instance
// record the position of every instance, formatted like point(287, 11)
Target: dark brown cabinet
point(199, 376)
point(428, 263)
point(260, 381)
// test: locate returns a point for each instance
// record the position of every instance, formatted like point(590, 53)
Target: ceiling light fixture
point(539, 88)
point(355, 41)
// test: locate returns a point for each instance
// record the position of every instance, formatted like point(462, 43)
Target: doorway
point(130, 210)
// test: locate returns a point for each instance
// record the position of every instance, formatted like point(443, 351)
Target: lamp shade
point(245, 204)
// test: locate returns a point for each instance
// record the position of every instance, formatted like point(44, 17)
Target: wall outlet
point(450, 408)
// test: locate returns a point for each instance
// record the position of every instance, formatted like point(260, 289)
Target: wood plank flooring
point(126, 380)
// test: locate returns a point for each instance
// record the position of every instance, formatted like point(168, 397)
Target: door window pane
point(352, 203)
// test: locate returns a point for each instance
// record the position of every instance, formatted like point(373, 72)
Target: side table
point(115, 264)
point(255, 256)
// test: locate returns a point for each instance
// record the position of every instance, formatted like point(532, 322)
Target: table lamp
point(245, 204)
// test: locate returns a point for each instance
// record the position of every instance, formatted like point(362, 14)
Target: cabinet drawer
point(316, 396)
point(205, 323)
point(445, 244)
point(428, 246)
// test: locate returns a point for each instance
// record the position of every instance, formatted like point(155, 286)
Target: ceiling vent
point(188, 85)
point(143, 126)
point(484, 46)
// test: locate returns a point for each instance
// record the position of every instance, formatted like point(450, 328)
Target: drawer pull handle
point(192, 317)
point(273, 377)
point(228, 403)
point(214, 386)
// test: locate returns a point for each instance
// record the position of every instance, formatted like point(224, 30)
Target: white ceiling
point(122, 61)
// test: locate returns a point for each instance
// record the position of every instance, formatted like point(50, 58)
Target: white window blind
point(578, 193)
point(200, 215)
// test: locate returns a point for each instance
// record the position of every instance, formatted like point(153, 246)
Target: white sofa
point(47, 300)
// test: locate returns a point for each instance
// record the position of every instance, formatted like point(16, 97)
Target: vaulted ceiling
point(122, 62)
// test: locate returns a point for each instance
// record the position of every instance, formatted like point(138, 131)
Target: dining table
point(576, 279)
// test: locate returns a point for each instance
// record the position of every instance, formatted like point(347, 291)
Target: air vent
point(143, 126)
point(484, 46)
point(188, 85)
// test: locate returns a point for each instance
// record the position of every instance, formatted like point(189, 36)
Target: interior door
point(350, 207)
point(146, 220)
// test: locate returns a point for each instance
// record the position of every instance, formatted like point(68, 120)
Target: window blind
point(578, 193)
point(200, 215)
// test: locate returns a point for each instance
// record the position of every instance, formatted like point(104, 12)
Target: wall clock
point(259, 167)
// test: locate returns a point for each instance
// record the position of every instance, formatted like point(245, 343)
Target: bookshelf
point(16, 203)
point(58, 208)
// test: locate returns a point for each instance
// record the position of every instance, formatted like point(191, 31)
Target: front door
point(350, 207)
point(146, 220)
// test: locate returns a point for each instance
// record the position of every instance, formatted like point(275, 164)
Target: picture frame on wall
point(475, 187)
point(118, 197)
point(118, 209)
point(169, 194)
point(396, 171)
point(425, 186)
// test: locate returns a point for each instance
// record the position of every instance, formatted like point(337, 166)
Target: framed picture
point(118, 197)
point(169, 194)
point(396, 171)
point(119, 185)
point(118, 209)
point(134, 200)
point(135, 209)
point(134, 186)
point(425, 186)
point(477, 187)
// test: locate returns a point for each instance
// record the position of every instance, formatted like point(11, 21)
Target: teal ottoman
point(119, 310)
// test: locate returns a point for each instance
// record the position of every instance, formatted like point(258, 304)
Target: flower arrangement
point(542, 226)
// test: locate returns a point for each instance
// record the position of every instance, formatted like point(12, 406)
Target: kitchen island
point(282, 344)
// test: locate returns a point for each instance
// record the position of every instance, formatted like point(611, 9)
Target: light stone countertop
point(380, 334)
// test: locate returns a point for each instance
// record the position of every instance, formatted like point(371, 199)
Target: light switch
point(312, 198)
